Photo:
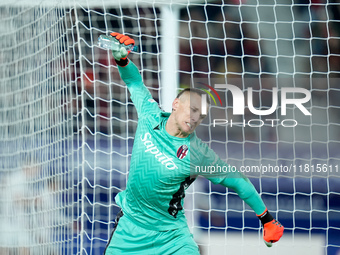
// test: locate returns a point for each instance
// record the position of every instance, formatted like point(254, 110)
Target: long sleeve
point(229, 177)
point(244, 188)
point(140, 95)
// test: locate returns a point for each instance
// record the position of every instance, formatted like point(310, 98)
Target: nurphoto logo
point(239, 105)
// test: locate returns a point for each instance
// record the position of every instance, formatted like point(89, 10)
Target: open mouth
point(188, 124)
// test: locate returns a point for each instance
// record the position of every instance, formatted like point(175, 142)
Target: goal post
point(67, 123)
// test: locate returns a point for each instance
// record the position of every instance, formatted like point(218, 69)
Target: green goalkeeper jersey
point(162, 166)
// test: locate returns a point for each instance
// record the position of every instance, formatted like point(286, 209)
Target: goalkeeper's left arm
point(233, 179)
point(272, 229)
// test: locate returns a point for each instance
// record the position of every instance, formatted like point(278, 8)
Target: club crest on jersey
point(182, 151)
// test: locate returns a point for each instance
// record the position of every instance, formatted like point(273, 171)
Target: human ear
point(175, 104)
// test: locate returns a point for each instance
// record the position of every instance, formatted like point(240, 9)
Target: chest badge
point(182, 151)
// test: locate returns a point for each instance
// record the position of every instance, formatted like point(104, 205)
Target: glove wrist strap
point(265, 217)
point(122, 62)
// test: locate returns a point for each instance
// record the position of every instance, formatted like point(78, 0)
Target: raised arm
point(140, 95)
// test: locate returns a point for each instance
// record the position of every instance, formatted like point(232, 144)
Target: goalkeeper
point(165, 152)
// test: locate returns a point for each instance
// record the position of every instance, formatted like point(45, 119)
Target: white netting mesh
point(37, 169)
point(67, 123)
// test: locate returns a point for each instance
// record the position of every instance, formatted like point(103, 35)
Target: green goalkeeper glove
point(127, 44)
point(272, 229)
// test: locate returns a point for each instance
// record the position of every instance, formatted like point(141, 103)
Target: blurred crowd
point(33, 216)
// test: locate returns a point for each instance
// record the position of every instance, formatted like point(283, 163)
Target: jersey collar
point(157, 121)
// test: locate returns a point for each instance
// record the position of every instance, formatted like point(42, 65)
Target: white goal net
point(67, 123)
